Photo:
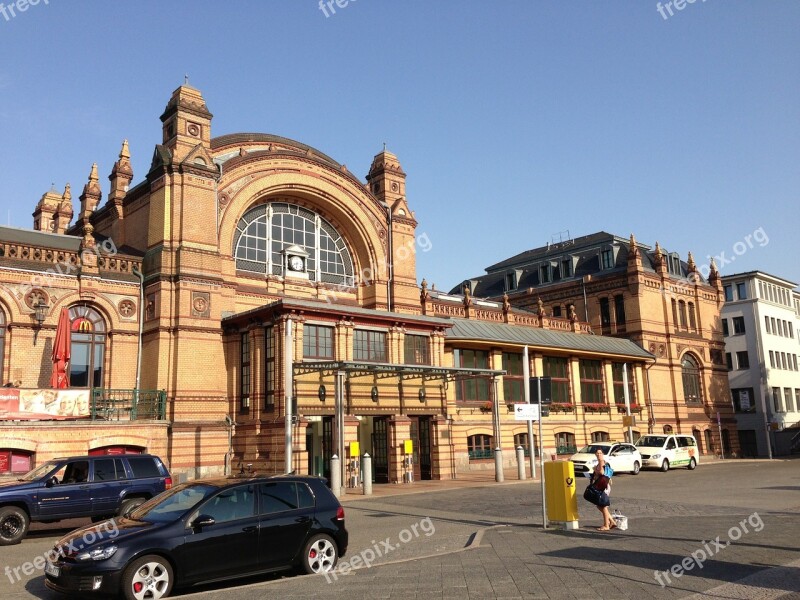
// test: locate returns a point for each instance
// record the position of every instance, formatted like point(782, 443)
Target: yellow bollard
point(562, 501)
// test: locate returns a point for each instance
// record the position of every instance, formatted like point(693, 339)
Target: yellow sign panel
point(355, 450)
point(629, 421)
point(408, 446)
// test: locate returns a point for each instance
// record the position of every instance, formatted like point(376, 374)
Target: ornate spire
point(659, 254)
point(713, 273)
point(91, 195)
point(121, 175)
point(690, 263)
point(634, 249)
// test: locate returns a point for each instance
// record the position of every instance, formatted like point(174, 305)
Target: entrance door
point(747, 443)
point(425, 471)
point(380, 450)
point(327, 446)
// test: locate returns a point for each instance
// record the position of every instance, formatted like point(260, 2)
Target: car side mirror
point(202, 521)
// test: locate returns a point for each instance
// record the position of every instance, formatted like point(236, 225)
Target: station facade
point(271, 299)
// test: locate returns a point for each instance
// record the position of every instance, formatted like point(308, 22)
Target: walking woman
point(597, 492)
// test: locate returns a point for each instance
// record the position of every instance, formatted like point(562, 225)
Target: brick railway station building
point(249, 272)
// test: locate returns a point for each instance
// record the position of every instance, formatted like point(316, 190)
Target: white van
point(668, 450)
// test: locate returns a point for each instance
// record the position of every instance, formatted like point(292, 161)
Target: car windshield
point(39, 471)
point(592, 448)
point(174, 503)
point(651, 441)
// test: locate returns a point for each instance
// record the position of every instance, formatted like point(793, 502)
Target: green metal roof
point(467, 329)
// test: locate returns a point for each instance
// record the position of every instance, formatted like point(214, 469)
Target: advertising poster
point(43, 404)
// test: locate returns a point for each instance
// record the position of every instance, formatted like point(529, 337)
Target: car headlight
point(98, 553)
point(656, 456)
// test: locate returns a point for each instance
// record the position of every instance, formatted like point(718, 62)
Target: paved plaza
point(727, 530)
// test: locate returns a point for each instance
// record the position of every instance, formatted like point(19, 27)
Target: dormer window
point(544, 274)
point(566, 268)
point(510, 281)
point(674, 263)
point(607, 259)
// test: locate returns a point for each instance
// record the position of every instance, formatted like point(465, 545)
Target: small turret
point(121, 176)
point(65, 212)
point(46, 208)
point(90, 197)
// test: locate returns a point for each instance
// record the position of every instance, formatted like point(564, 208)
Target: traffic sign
point(526, 412)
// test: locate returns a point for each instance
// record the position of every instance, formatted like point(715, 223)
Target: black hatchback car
point(203, 531)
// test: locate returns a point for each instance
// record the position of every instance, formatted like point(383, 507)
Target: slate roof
point(468, 329)
point(233, 139)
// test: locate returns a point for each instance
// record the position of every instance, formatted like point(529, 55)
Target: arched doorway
point(88, 347)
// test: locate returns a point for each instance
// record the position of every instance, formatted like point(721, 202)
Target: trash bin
point(562, 501)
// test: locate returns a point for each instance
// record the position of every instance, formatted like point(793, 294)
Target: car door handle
point(83, 487)
point(250, 528)
point(302, 520)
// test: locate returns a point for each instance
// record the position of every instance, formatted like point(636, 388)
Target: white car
point(623, 458)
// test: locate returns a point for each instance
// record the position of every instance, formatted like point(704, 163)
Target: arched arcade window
point(265, 230)
point(692, 391)
point(88, 347)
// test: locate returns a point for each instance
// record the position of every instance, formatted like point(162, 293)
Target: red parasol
point(61, 352)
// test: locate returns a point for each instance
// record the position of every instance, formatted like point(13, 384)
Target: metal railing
point(128, 405)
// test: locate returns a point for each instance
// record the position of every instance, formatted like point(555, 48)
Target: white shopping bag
point(620, 519)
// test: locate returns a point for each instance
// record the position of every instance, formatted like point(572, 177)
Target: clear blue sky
point(514, 120)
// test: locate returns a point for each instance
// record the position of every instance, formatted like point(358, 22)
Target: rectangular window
point(729, 361)
point(511, 281)
point(692, 316)
point(369, 346)
point(725, 327)
point(472, 389)
point(619, 387)
point(513, 390)
point(244, 387)
point(794, 364)
point(738, 325)
point(797, 399)
point(619, 312)
point(774, 325)
point(591, 372)
point(728, 293)
point(791, 330)
point(557, 368)
point(682, 309)
point(556, 311)
point(766, 322)
point(780, 328)
point(788, 397)
point(607, 258)
point(566, 268)
point(741, 290)
point(544, 274)
point(269, 368)
point(317, 341)
point(742, 360)
point(783, 360)
point(771, 359)
point(776, 400)
point(743, 400)
point(416, 350)
point(605, 313)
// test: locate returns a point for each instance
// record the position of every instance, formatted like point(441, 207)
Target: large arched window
point(692, 391)
point(88, 347)
point(265, 230)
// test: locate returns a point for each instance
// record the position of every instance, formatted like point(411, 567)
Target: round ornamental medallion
point(394, 186)
point(35, 297)
point(193, 129)
point(127, 308)
point(223, 199)
point(200, 304)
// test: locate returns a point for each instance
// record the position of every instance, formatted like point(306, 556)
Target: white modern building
point(761, 326)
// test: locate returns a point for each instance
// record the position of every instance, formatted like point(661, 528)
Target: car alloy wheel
point(665, 465)
point(147, 578)
point(320, 554)
point(692, 464)
point(636, 467)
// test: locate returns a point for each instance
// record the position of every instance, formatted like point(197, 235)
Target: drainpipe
point(140, 275)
